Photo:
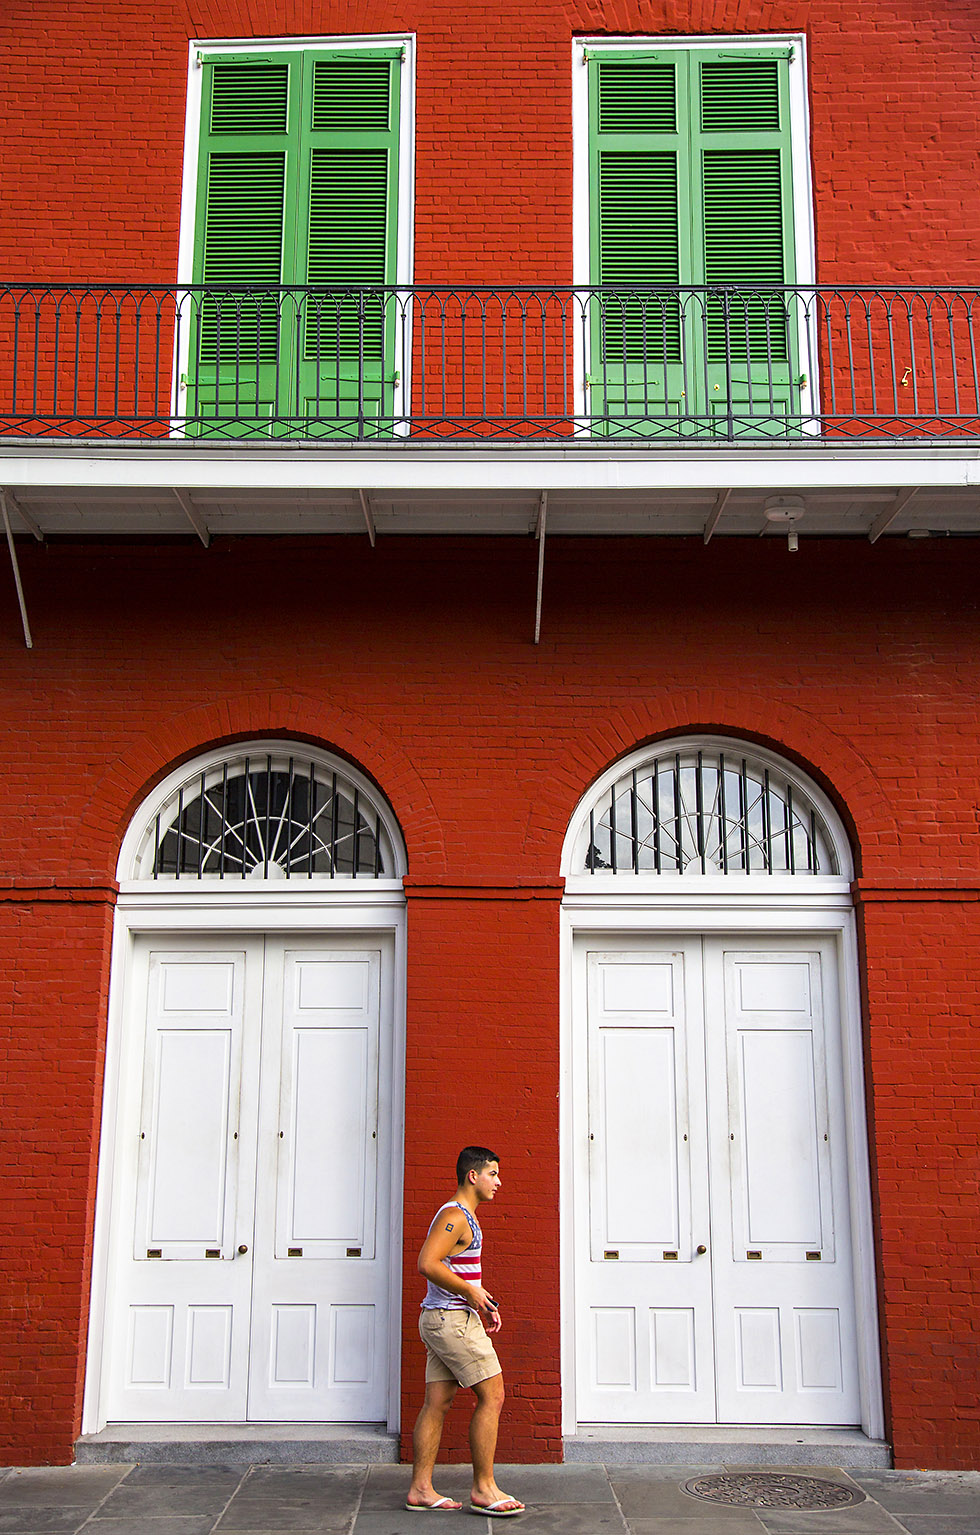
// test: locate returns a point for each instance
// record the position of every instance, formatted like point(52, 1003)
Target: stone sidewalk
point(368, 1500)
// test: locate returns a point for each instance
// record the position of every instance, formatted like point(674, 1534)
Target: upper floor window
point(295, 234)
point(694, 230)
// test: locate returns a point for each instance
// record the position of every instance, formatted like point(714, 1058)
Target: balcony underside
point(80, 488)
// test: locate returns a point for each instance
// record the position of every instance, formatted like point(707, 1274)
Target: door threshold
point(203, 1444)
point(705, 1444)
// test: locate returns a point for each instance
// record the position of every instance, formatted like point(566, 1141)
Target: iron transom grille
point(266, 817)
point(707, 812)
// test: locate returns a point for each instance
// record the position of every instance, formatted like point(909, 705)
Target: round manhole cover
point(772, 1489)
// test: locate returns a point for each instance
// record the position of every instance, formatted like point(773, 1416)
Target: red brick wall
point(482, 1069)
point(862, 663)
point(53, 988)
point(95, 98)
point(922, 1041)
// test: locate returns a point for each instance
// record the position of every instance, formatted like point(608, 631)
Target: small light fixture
point(785, 512)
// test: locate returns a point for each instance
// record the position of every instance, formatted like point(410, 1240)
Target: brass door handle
point(243, 1248)
point(702, 1250)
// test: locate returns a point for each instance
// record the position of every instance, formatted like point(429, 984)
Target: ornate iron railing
point(637, 365)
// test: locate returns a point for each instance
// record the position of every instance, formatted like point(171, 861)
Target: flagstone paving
point(369, 1500)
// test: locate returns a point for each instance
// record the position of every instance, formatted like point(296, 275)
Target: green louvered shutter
point(691, 184)
point(347, 374)
point(742, 174)
point(245, 188)
point(298, 187)
point(639, 177)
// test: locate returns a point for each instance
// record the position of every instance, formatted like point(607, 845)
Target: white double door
point(713, 1269)
point(249, 1267)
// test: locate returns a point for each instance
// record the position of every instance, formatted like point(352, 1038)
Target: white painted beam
point(466, 467)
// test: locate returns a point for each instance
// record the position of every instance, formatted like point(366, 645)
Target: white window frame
point(803, 216)
point(405, 234)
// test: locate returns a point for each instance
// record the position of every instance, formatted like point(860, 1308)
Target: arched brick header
point(826, 757)
point(117, 795)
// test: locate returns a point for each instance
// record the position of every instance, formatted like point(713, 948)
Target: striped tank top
point(468, 1265)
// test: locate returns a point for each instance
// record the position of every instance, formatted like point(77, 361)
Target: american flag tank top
point(467, 1265)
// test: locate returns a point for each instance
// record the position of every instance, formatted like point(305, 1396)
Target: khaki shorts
point(456, 1347)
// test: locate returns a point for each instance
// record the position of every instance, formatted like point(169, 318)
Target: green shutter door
point(690, 176)
point(350, 194)
point(298, 186)
point(742, 182)
point(246, 207)
point(640, 177)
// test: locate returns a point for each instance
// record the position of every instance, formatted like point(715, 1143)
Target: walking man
point(457, 1315)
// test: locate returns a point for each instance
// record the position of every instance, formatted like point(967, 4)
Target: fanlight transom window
point(702, 810)
point(266, 815)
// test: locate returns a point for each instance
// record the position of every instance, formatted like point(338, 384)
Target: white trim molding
point(415, 468)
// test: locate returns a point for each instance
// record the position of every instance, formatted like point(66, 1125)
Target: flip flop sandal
point(497, 1510)
point(441, 1505)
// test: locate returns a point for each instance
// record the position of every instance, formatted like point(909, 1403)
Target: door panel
point(645, 1351)
point(250, 1276)
point(319, 1340)
point(779, 1193)
point(715, 1093)
point(329, 1104)
point(188, 1152)
point(180, 1303)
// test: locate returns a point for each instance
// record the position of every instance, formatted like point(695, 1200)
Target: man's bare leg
point(427, 1437)
point(483, 1442)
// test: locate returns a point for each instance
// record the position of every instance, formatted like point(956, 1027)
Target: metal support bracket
point(25, 517)
point(720, 502)
point(540, 529)
point(895, 507)
point(28, 641)
point(368, 516)
point(193, 516)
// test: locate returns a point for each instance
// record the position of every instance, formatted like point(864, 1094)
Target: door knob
point(702, 1250)
point(243, 1248)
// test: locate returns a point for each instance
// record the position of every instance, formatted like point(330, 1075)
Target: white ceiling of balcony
point(79, 489)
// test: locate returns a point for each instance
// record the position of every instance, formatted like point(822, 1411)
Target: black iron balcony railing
point(639, 364)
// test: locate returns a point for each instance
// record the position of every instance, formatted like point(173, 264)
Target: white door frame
point(660, 905)
point(177, 911)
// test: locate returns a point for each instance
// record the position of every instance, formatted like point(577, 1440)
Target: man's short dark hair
point(473, 1159)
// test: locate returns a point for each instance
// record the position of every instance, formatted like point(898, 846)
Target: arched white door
point(718, 1262)
point(246, 1210)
